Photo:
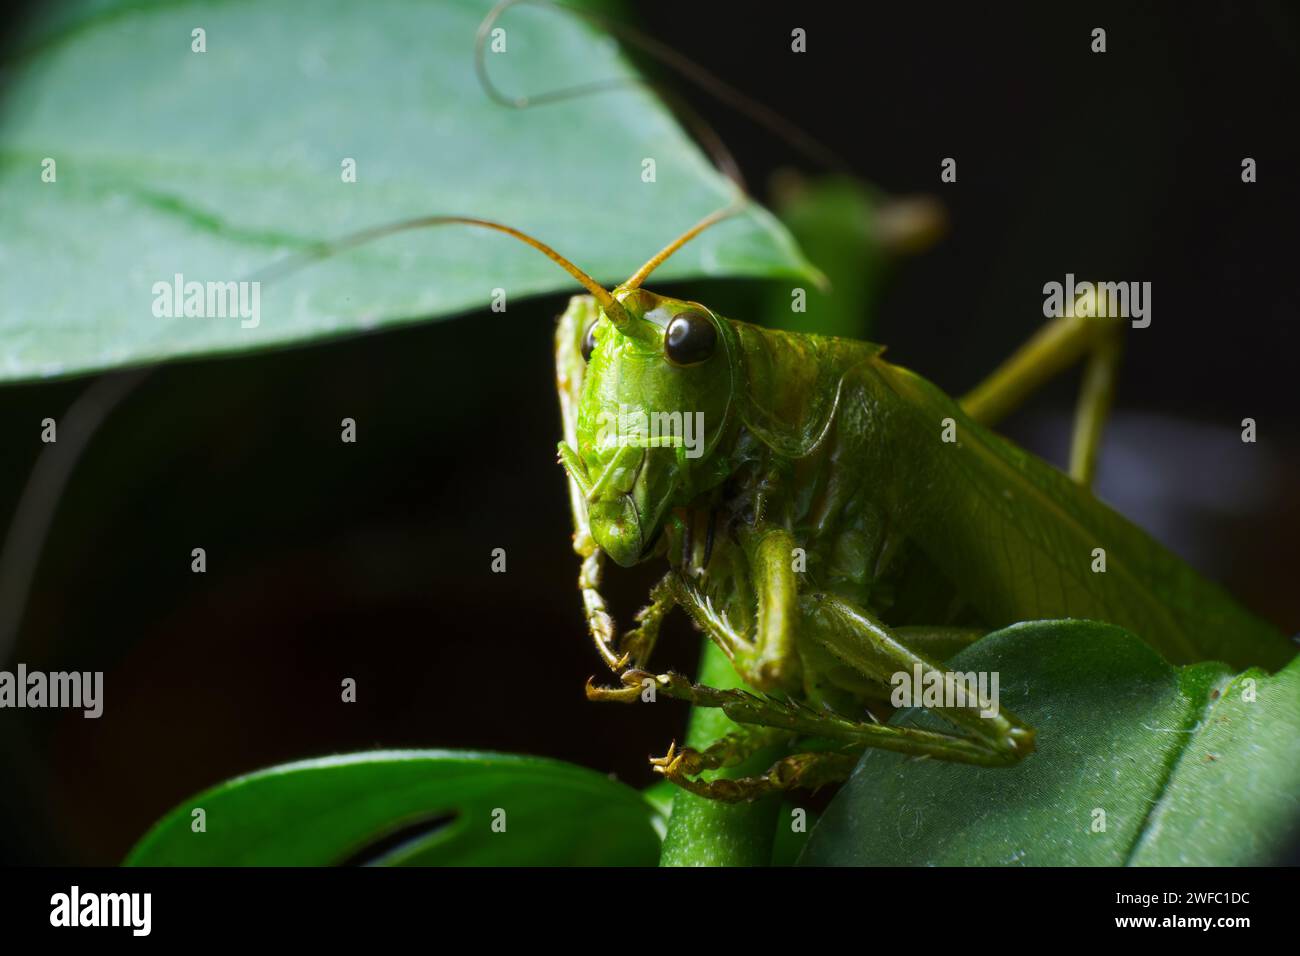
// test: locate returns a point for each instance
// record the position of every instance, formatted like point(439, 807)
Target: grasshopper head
point(656, 399)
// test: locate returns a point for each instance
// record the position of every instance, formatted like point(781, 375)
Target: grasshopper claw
point(622, 695)
point(660, 763)
point(677, 764)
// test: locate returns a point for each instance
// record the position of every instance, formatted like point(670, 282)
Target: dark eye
point(588, 342)
point(689, 338)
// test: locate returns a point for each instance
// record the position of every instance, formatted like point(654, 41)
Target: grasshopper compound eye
point(690, 338)
point(588, 342)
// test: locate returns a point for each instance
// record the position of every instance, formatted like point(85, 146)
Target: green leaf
point(1185, 767)
point(215, 165)
point(789, 842)
point(410, 808)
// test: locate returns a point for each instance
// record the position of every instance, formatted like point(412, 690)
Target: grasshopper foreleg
point(638, 643)
point(599, 624)
point(569, 370)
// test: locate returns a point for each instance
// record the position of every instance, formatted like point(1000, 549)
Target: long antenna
point(658, 258)
point(39, 500)
point(617, 314)
point(686, 67)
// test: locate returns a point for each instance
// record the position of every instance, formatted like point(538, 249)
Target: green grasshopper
point(837, 521)
point(828, 538)
point(840, 521)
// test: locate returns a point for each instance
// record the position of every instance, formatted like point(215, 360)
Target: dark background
point(372, 560)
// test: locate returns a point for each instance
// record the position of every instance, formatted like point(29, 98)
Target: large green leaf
point(213, 165)
point(410, 808)
point(1185, 766)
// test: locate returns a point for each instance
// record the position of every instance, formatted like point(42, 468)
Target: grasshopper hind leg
point(1058, 345)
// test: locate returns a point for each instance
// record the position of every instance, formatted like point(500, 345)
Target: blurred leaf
point(789, 842)
point(214, 165)
point(1186, 770)
point(410, 808)
point(660, 796)
point(854, 233)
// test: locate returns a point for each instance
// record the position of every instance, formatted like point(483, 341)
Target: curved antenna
point(683, 65)
point(38, 503)
point(550, 96)
point(617, 314)
point(705, 134)
point(659, 257)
